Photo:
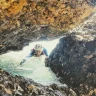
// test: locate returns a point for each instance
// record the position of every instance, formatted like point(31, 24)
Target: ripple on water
point(33, 68)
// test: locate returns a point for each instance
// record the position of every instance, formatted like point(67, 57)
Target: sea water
point(33, 68)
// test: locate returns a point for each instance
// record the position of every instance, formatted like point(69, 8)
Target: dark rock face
point(93, 1)
point(75, 62)
point(18, 86)
point(16, 40)
point(15, 14)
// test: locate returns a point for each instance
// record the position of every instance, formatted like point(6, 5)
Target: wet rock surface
point(16, 40)
point(29, 20)
point(75, 62)
point(18, 86)
point(57, 13)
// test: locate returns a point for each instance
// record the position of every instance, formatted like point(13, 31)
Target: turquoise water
point(33, 68)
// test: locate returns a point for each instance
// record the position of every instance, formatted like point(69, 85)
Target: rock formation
point(57, 13)
point(75, 62)
point(18, 86)
point(73, 59)
point(31, 19)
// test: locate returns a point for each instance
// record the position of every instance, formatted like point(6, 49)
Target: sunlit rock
point(74, 58)
point(32, 19)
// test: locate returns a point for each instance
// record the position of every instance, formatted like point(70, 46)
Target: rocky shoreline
point(74, 58)
point(24, 22)
point(75, 62)
point(19, 86)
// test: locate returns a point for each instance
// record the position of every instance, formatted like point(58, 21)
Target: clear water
point(33, 68)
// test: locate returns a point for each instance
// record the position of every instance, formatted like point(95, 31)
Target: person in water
point(37, 51)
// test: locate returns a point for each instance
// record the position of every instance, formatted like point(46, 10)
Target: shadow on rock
point(75, 62)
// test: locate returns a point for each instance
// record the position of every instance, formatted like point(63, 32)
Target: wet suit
point(32, 53)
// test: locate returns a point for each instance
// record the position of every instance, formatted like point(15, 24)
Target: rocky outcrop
point(75, 62)
point(32, 19)
point(56, 13)
point(18, 86)
point(73, 59)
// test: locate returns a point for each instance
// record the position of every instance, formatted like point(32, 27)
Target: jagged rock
point(52, 13)
point(22, 22)
point(28, 20)
point(75, 62)
point(18, 86)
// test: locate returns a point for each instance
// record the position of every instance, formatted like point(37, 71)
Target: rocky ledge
point(74, 58)
point(22, 22)
point(75, 62)
point(18, 86)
